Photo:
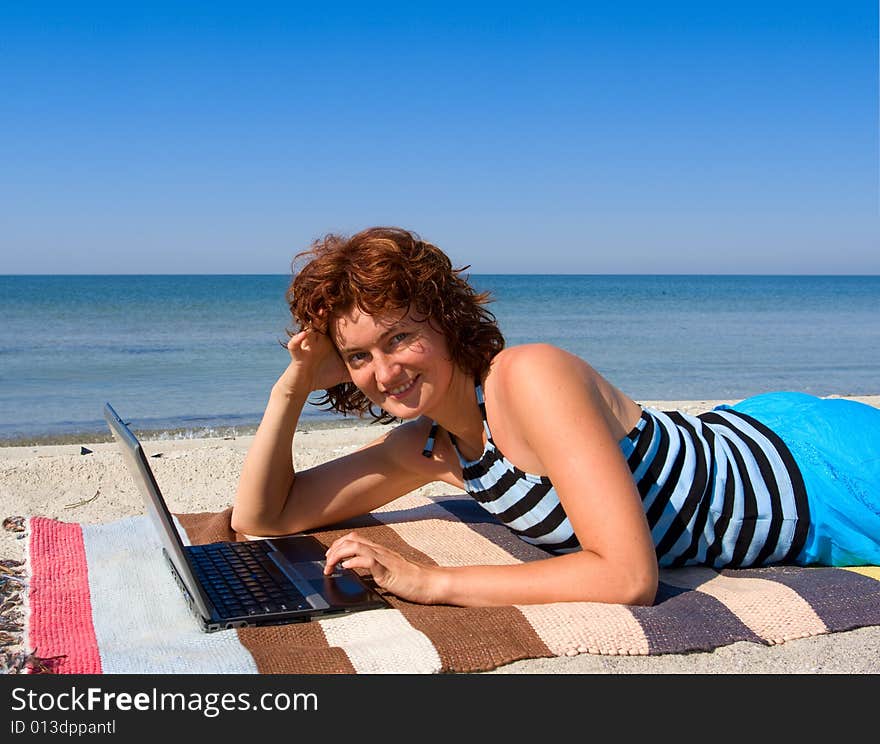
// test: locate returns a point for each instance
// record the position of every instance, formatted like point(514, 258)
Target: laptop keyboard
point(241, 579)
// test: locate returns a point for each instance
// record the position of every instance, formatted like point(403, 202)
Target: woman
point(541, 440)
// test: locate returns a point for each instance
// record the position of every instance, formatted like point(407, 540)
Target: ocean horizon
point(183, 355)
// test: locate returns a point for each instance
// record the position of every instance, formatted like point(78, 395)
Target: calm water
point(197, 354)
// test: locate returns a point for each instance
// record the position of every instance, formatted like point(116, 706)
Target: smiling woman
point(390, 273)
point(563, 458)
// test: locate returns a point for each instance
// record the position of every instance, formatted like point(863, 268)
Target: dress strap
point(428, 451)
point(432, 439)
point(481, 402)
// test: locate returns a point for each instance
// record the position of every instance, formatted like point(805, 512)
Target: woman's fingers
point(349, 547)
point(389, 570)
point(304, 339)
point(295, 341)
point(314, 351)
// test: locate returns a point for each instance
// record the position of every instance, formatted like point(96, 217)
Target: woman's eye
point(356, 358)
point(398, 337)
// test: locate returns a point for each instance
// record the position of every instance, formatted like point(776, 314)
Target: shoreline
point(178, 434)
point(318, 423)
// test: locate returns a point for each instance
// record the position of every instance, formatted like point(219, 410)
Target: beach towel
point(99, 598)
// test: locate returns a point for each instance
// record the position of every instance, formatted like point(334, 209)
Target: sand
point(201, 474)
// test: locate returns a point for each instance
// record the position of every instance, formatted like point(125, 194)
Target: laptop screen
point(136, 460)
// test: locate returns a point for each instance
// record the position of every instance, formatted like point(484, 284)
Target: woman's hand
point(389, 570)
point(314, 358)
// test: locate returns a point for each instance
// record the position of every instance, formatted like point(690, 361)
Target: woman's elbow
point(248, 522)
point(641, 588)
point(245, 523)
point(242, 525)
point(632, 582)
point(641, 595)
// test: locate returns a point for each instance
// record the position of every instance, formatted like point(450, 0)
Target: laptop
point(238, 584)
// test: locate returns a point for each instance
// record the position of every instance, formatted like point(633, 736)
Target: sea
point(184, 356)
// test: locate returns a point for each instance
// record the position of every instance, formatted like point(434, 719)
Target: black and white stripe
point(432, 440)
point(718, 489)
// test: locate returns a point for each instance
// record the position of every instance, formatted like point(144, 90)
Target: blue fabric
point(836, 445)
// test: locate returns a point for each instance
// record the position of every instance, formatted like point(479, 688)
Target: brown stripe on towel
point(473, 639)
point(208, 527)
point(294, 649)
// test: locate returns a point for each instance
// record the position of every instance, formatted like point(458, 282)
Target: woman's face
point(401, 364)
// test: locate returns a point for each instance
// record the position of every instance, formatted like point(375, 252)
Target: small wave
point(208, 432)
point(146, 433)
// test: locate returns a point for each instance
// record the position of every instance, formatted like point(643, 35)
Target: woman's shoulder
point(514, 364)
point(522, 377)
point(526, 352)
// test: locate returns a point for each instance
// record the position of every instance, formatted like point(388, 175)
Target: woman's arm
point(267, 473)
point(273, 499)
point(565, 421)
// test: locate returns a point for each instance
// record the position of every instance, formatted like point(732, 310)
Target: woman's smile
point(401, 391)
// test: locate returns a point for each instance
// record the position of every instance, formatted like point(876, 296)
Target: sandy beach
point(198, 475)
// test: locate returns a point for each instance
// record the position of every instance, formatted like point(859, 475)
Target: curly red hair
point(389, 269)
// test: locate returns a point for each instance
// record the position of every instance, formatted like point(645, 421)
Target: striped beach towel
point(100, 599)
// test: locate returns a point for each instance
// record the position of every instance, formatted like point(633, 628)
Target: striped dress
point(718, 489)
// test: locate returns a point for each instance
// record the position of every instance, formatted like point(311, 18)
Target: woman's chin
point(403, 411)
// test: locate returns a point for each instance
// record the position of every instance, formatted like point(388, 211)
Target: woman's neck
point(459, 412)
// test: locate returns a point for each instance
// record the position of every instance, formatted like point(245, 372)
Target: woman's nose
point(387, 370)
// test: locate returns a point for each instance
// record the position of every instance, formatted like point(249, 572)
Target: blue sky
point(630, 137)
